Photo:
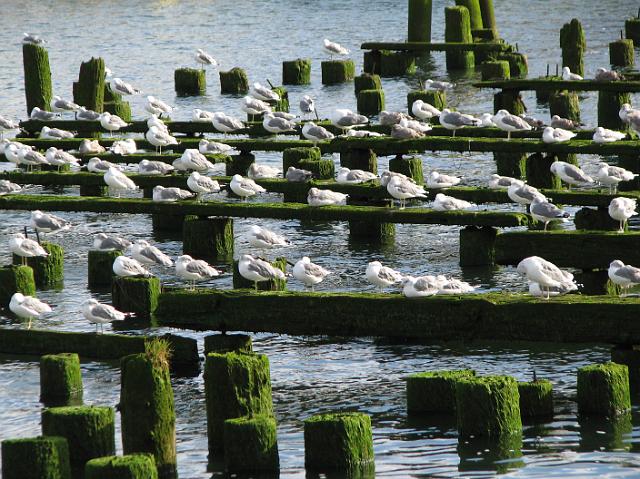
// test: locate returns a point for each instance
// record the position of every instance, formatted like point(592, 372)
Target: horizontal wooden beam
point(436, 47)
point(557, 83)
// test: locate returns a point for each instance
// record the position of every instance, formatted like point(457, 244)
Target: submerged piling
point(37, 77)
point(337, 71)
point(367, 81)
point(15, 279)
point(621, 53)
point(130, 466)
point(136, 295)
point(511, 164)
point(536, 399)
point(234, 81)
point(538, 171)
point(632, 30)
point(190, 82)
point(419, 21)
point(372, 232)
point(458, 29)
point(434, 391)
point(370, 102)
point(99, 267)
point(359, 159)
point(488, 16)
point(510, 100)
point(565, 104)
point(495, 70)
point(296, 72)
point(251, 445)
point(393, 64)
point(518, 63)
point(210, 238)
point(227, 343)
point(573, 44)
point(36, 458)
point(410, 166)
point(603, 390)
point(595, 219)
point(88, 91)
point(609, 104)
point(60, 380)
point(47, 270)
point(477, 246)
point(629, 355)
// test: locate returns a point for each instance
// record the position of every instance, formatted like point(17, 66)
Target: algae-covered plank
point(435, 47)
point(557, 83)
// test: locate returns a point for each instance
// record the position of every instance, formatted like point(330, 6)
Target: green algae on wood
point(565, 104)
point(632, 30)
point(434, 391)
point(48, 270)
point(621, 53)
point(60, 380)
point(448, 46)
point(234, 81)
point(130, 466)
point(509, 100)
point(100, 267)
point(37, 77)
point(15, 279)
point(283, 103)
point(488, 14)
point(236, 385)
point(603, 390)
point(393, 64)
point(359, 159)
point(518, 63)
point(488, 406)
point(372, 232)
point(536, 399)
point(557, 83)
point(595, 219)
point(210, 238)
point(538, 174)
point(458, 29)
point(411, 167)
point(477, 246)
point(337, 71)
point(370, 102)
point(239, 282)
point(89, 430)
point(239, 164)
point(629, 355)
point(605, 433)
point(494, 70)
point(338, 441)
point(114, 104)
point(190, 82)
point(147, 409)
point(136, 295)
point(574, 45)
point(475, 14)
point(511, 164)
point(419, 21)
point(250, 444)
point(88, 91)
point(367, 81)
point(609, 105)
point(296, 72)
point(293, 156)
point(36, 458)
point(227, 343)
point(94, 190)
point(436, 98)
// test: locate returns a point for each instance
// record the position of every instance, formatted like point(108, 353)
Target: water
point(143, 42)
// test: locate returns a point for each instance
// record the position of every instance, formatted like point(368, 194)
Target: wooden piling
point(621, 53)
point(629, 355)
point(565, 104)
point(60, 380)
point(419, 21)
point(495, 70)
point(370, 102)
point(130, 466)
point(136, 295)
point(409, 166)
point(394, 64)
point(251, 445)
point(603, 390)
point(190, 82)
point(15, 279)
point(477, 246)
point(367, 81)
point(37, 77)
point(100, 268)
point(359, 159)
point(47, 270)
point(337, 71)
point(475, 15)
point(536, 399)
point(36, 458)
point(435, 98)
point(511, 164)
point(227, 343)
point(234, 81)
point(458, 29)
point(296, 72)
point(518, 63)
point(488, 15)
point(239, 282)
point(210, 238)
point(114, 104)
point(434, 392)
point(88, 91)
point(573, 44)
point(609, 104)
point(538, 173)
point(510, 100)
point(632, 30)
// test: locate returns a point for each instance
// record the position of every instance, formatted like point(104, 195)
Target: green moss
point(557, 83)
point(603, 389)
point(341, 440)
point(477, 246)
point(488, 15)
point(511, 164)
point(227, 343)
point(371, 62)
point(97, 190)
point(250, 444)
point(458, 29)
point(372, 232)
point(435, 98)
point(518, 63)
point(37, 77)
point(89, 430)
point(36, 458)
point(573, 44)
point(114, 104)
point(411, 167)
point(166, 223)
point(488, 406)
point(609, 104)
point(293, 156)
point(239, 164)
point(272, 285)
point(393, 64)
point(595, 219)
point(621, 53)
point(88, 91)
point(509, 100)
point(447, 46)
point(60, 380)
point(367, 81)
point(630, 357)
point(434, 391)
point(565, 104)
point(538, 173)
point(337, 71)
point(100, 267)
point(493, 70)
point(190, 82)
point(15, 279)
point(474, 12)
point(419, 21)
point(283, 103)
point(236, 385)
point(47, 270)
point(370, 102)
point(136, 295)
point(632, 30)
point(296, 72)
point(234, 81)
point(131, 466)
point(210, 238)
point(147, 411)
point(536, 399)
point(359, 159)
point(322, 169)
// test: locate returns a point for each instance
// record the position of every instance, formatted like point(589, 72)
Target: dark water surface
point(143, 42)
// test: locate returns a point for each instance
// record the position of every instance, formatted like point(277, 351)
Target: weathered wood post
point(190, 82)
point(603, 390)
point(251, 444)
point(60, 380)
point(510, 100)
point(359, 159)
point(458, 29)
point(477, 246)
point(88, 91)
point(15, 279)
point(409, 166)
point(488, 15)
point(36, 458)
point(99, 268)
point(536, 399)
point(419, 21)
point(495, 70)
point(296, 72)
point(337, 71)
point(475, 15)
point(434, 391)
point(609, 104)
point(130, 466)
point(136, 295)
point(632, 30)
point(573, 44)
point(210, 238)
point(47, 270)
point(370, 102)
point(227, 343)
point(114, 104)
point(435, 98)
point(37, 77)
point(367, 81)
point(621, 53)
point(234, 81)
point(630, 357)
point(565, 104)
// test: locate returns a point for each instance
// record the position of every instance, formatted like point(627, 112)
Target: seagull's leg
point(545, 225)
point(29, 323)
point(509, 136)
point(38, 236)
point(255, 284)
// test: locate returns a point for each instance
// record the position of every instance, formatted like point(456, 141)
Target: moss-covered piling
point(536, 399)
point(629, 355)
point(409, 166)
point(595, 219)
point(167, 223)
point(359, 159)
point(419, 21)
point(60, 380)
point(236, 385)
point(632, 30)
point(251, 445)
point(609, 104)
point(621, 53)
point(510, 100)
point(603, 390)
point(434, 391)
point(272, 285)
point(475, 15)
point(235, 81)
point(366, 81)
point(393, 64)
point(338, 441)
point(147, 407)
point(88, 91)
point(130, 466)
point(495, 70)
point(538, 173)
point(240, 163)
point(458, 29)
point(190, 82)
point(488, 406)
point(210, 238)
point(518, 63)
point(15, 279)
point(114, 104)
point(283, 103)
point(296, 72)
point(36, 458)
point(565, 104)
point(337, 71)
point(477, 246)
point(94, 190)
point(227, 343)
point(435, 98)
point(371, 62)
point(89, 430)
point(511, 164)
point(136, 295)
point(372, 232)
point(573, 45)
point(48, 270)
point(488, 15)
point(37, 77)
point(100, 268)
point(370, 102)
point(294, 156)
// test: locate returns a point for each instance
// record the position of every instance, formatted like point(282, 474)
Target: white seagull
point(333, 48)
point(546, 212)
point(111, 122)
point(26, 248)
point(453, 120)
point(253, 106)
point(192, 160)
point(159, 138)
point(346, 119)
point(204, 59)
point(316, 133)
point(443, 202)
point(347, 176)
point(602, 135)
point(123, 147)
point(207, 147)
point(61, 105)
point(104, 242)
point(621, 209)
point(546, 274)
point(123, 87)
point(202, 116)
point(245, 187)
point(117, 180)
point(437, 180)
point(47, 223)
point(570, 174)
point(100, 314)
point(610, 176)
point(192, 270)
point(96, 165)
point(263, 93)
point(124, 266)
point(170, 195)
point(28, 307)
point(317, 197)
point(309, 273)
point(568, 76)
point(523, 194)
point(508, 122)
point(424, 110)
point(403, 190)
point(420, 287)
point(382, 276)
point(201, 184)
point(259, 172)
point(263, 238)
point(55, 134)
point(225, 123)
point(148, 254)
point(257, 270)
point(276, 125)
point(307, 105)
point(155, 106)
point(498, 182)
point(154, 168)
point(625, 276)
point(552, 135)
point(91, 147)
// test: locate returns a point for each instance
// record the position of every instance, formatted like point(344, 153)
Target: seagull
point(612, 175)
point(100, 314)
point(7, 125)
point(104, 242)
point(317, 197)
point(449, 203)
point(147, 254)
point(116, 179)
point(390, 118)
point(7, 187)
point(91, 147)
point(626, 112)
point(438, 85)
point(564, 123)
point(32, 39)
point(622, 275)
point(437, 180)
point(96, 165)
point(61, 105)
point(453, 120)
point(523, 194)
point(26, 248)
point(263, 238)
point(13, 150)
point(253, 106)
point(284, 114)
point(28, 307)
point(297, 175)
point(316, 133)
point(155, 120)
point(192, 270)
point(546, 274)
point(508, 122)
point(486, 120)
point(536, 291)
point(259, 172)
point(602, 74)
point(454, 286)
point(159, 138)
point(309, 273)
point(387, 175)
point(123, 87)
point(55, 134)
point(424, 110)
point(123, 147)
point(60, 158)
point(146, 167)
point(546, 212)
point(621, 209)
point(277, 125)
point(403, 190)
point(245, 187)
point(263, 93)
point(201, 115)
point(602, 135)
point(225, 123)
point(168, 195)
point(307, 105)
point(333, 48)
point(192, 160)
point(204, 59)
point(568, 76)
point(200, 184)
point(400, 132)
point(570, 174)
point(382, 276)
point(498, 182)
point(29, 157)
point(155, 106)
point(124, 266)
point(346, 119)
point(42, 115)
point(214, 148)
point(556, 135)
point(419, 287)
point(258, 270)
point(47, 223)
point(415, 125)
point(534, 122)
point(111, 122)
point(347, 176)
point(361, 134)
point(87, 115)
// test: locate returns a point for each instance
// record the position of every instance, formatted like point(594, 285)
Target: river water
point(143, 42)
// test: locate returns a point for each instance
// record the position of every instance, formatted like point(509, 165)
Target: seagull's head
point(440, 197)
point(236, 178)
point(305, 260)
point(90, 302)
point(184, 258)
point(601, 70)
point(566, 70)
point(600, 130)
point(17, 298)
point(255, 229)
point(555, 166)
point(616, 264)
